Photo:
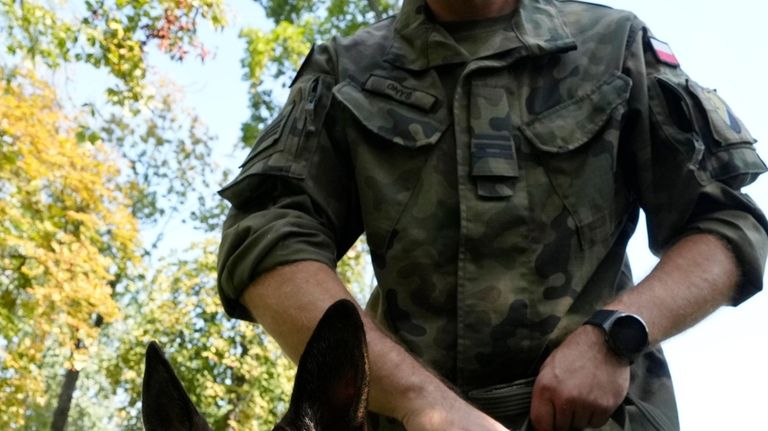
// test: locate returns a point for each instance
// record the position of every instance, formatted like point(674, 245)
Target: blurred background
point(119, 119)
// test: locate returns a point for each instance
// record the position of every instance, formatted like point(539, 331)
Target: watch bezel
point(618, 335)
point(619, 342)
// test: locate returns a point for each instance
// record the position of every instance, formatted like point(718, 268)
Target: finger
point(599, 419)
point(542, 413)
point(582, 418)
point(563, 417)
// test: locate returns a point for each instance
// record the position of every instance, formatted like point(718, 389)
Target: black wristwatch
point(625, 333)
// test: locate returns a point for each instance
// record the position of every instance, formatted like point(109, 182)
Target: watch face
point(628, 335)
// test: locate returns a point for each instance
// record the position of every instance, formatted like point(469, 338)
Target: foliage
point(355, 272)
point(75, 190)
point(232, 369)
point(74, 194)
point(112, 35)
point(166, 149)
point(66, 231)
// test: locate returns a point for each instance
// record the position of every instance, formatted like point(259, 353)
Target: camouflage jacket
point(497, 212)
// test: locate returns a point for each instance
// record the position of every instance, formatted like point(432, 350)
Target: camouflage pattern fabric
point(497, 212)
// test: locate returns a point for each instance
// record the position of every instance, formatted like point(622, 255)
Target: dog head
point(330, 392)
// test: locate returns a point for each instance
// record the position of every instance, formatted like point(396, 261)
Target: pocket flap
point(256, 177)
point(573, 123)
point(404, 124)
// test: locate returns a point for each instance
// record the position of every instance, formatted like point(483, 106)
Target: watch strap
point(602, 318)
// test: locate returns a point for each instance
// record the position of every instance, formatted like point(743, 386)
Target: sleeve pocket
point(265, 145)
point(698, 120)
point(287, 145)
point(730, 155)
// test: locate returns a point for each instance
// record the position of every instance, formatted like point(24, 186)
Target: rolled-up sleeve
point(689, 156)
point(295, 197)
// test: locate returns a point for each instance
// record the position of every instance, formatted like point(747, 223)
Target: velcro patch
point(726, 127)
point(663, 52)
point(401, 93)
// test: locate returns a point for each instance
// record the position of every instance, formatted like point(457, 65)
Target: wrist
point(595, 338)
point(400, 385)
point(428, 397)
point(624, 334)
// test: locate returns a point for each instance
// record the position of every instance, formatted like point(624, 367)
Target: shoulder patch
point(663, 52)
point(721, 118)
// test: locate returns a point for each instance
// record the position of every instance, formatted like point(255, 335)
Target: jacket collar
point(420, 43)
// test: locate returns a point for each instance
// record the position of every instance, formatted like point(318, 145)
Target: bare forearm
point(693, 278)
point(289, 302)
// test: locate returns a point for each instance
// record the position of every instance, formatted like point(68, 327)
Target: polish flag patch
point(664, 52)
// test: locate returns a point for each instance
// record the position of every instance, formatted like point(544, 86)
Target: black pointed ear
point(331, 384)
point(165, 404)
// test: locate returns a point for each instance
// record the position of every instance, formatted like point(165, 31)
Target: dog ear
point(165, 404)
point(331, 386)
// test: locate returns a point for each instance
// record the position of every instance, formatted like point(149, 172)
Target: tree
point(66, 230)
point(166, 149)
point(113, 37)
point(79, 293)
point(232, 369)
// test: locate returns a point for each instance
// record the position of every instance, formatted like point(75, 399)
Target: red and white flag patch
point(664, 52)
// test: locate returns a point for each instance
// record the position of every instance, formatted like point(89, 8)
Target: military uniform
point(498, 178)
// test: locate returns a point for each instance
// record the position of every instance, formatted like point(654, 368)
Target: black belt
point(514, 399)
point(510, 399)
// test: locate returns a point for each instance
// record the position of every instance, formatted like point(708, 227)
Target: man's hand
point(580, 384)
point(447, 412)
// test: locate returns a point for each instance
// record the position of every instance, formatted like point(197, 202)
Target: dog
point(330, 392)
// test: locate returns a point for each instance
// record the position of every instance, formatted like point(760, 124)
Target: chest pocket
point(576, 142)
point(393, 129)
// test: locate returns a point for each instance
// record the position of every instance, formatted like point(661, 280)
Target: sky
point(720, 367)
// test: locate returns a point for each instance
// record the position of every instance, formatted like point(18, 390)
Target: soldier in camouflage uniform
point(497, 167)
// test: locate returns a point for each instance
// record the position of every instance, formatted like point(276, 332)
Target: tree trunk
point(61, 414)
point(65, 400)
point(374, 5)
